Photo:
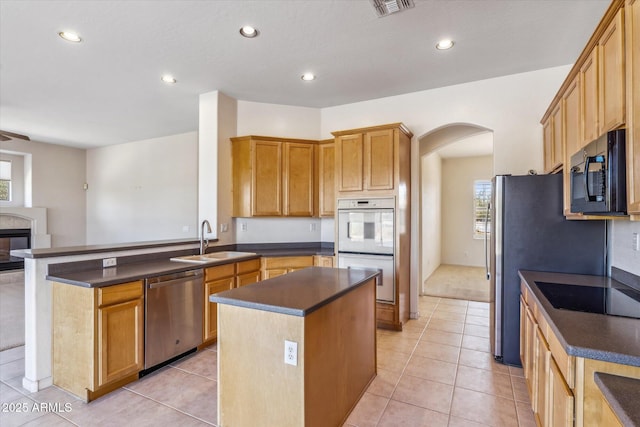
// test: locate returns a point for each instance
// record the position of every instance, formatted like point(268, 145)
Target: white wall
point(458, 175)
point(621, 253)
point(431, 218)
point(255, 118)
point(54, 175)
point(142, 191)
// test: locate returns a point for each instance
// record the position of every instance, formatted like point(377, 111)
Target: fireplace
point(10, 239)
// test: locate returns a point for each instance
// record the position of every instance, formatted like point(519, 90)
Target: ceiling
point(107, 89)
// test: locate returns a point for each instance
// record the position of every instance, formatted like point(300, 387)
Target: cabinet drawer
point(566, 364)
point(119, 293)
point(385, 314)
point(287, 262)
point(248, 266)
point(220, 271)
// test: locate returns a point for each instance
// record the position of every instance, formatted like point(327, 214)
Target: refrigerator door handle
point(486, 242)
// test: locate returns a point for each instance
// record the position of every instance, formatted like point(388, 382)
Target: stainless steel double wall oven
point(366, 239)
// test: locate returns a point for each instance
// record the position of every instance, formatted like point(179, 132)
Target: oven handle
point(378, 277)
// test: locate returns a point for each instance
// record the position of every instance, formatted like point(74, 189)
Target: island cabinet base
point(336, 361)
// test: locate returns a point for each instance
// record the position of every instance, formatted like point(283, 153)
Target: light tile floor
point(437, 372)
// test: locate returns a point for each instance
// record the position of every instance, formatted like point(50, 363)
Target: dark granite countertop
point(90, 273)
point(594, 336)
point(622, 394)
point(99, 277)
point(298, 293)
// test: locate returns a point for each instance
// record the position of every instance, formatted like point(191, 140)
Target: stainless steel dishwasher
point(173, 315)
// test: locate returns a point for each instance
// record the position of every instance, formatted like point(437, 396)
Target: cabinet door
point(543, 356)
point(379, 160)
point(560, 398)
point(298, 179)
point(612, 74)
point(120, 340)
point(266, 162)
point(523, 331)
point(557, 140)
point(547, 139)
point(323, 261)
point(528, 363)
point(273, 272)
point(210, 318)
point(589, 98)
point(572, 142)
point(247, 278)
point(632, 12)
point(349, 162)
point(326, 169)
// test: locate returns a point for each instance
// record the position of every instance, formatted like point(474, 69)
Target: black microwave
point(599, 178)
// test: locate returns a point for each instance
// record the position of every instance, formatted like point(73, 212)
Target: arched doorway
point(455, 160)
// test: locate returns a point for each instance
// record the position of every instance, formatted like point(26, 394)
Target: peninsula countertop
point(298, 293)
point(594, 336)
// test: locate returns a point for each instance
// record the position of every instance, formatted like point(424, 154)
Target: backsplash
point(621, 253)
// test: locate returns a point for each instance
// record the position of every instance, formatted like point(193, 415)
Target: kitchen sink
point(212, 257)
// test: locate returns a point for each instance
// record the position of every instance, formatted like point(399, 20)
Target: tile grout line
point(405, 366)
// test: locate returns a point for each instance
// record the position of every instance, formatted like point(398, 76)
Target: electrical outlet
point(312, 227)
point(243, 226)
point(291, 353)
point(109, 262)
point(636, 242)
point(224, 227)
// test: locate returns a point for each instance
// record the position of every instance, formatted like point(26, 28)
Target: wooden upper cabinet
point(571, 120)
point(611, 75)
point(272, 176)
point(589, 98)
point(547, 139)
point(326, 179)
point(298, 179)
point(379, 160)
point(558, 136)
point(554, 139)
point(632, 15)
point(572, 143)
point(267, 179)
point(349, 162)
point(368, 159)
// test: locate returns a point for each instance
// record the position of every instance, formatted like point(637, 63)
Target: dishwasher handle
point(174, 279)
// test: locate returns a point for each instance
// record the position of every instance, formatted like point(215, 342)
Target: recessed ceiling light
point(168, 79)
point(70, 36)
point(249, 32)
point(444, 44)
point(307, 77)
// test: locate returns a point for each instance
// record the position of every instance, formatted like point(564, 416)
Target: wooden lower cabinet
point(98, 337)
point(560, 398)
point(552, 400)
point(541, 375)
point(323, 261)
point(277, 266)
point(562, 388)
point(222, 278)
point(609, 418)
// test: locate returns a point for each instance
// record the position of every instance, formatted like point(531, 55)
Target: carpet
point(11, 309)
point(458, 281)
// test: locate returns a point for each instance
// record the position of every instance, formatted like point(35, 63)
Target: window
point(5, 180)
point(481, 212)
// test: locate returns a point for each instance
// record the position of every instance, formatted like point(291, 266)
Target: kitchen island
point(296, 350)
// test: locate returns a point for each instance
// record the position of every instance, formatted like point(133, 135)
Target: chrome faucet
point(204, 242)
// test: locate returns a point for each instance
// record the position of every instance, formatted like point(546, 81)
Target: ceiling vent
point(387, 7)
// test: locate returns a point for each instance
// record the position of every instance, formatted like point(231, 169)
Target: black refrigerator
point(529, 232)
